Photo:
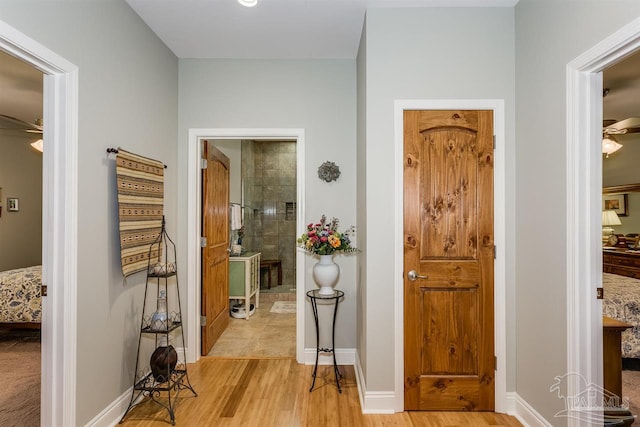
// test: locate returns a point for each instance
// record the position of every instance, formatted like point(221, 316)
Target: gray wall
point(127, 97)
point(432, 53)
point(549, 35)
point(21, 177)
point(317, 95)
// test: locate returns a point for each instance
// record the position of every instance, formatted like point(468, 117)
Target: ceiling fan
point(610, 128)
point(630, 125)
point(8, 122)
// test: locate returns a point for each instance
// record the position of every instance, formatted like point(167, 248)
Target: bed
point(20, 300)
point(622, 302)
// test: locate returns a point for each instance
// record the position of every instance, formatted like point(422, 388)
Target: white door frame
point(59, 224)
point(499, 221)
point(584, 195)
point(194, 187)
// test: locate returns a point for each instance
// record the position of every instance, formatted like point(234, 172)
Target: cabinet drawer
point(624, 261)
point(622, 271)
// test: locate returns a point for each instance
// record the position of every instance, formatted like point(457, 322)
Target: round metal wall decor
point(328, 171)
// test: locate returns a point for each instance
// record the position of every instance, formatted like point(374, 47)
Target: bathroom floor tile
point(265, 334)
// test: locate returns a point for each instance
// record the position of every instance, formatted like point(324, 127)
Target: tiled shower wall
point(269, 196)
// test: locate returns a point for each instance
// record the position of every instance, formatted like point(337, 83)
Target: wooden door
point(215, 257)
point(448, 243)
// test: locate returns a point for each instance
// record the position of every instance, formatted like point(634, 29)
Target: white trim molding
point(111, 415)
point(373, 402)
point(59, 224)
point(584, 193)
point(520, 408)
point(194, 187)
point(500, 332)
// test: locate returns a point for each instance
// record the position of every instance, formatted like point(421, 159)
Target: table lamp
point(609, 218)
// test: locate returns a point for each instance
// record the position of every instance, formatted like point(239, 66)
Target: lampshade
point(610, 145)
point(610, 218)
point(248, 3)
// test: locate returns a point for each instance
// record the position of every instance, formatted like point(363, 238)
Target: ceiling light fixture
point(610, 145)
point(248, 3)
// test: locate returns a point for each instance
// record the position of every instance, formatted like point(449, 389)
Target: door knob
point(412, 275)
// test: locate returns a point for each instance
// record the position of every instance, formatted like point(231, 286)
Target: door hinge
point(494, 142)
point(203, 320)
point(203, 163)
point(599, 293)
point(203, 242)
point(43, 290)
point(495, 252)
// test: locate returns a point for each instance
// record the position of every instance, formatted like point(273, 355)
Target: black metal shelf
point(148, 383)
point(161, 276)
point(149, 330)
point(144, 383)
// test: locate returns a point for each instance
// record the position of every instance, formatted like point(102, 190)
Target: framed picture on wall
point(615, 202)
point(12, 204)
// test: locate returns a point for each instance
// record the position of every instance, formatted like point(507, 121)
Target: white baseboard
point(524, 412)
point(110, 416)
point(373, 402)
point(344, 356)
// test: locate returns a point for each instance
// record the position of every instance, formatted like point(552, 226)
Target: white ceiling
point(282, 29)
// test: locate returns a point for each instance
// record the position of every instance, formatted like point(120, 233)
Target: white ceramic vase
point(326, 273)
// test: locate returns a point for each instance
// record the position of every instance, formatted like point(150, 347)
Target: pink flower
point(323, 239)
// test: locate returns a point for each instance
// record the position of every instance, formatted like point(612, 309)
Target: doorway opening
point(59, 226)
point(584, 210)
point(20, 240)
point(262, 198)
point(621, 229)
point(253, 217)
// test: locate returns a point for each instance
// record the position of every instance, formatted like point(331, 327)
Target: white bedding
point(20, 300)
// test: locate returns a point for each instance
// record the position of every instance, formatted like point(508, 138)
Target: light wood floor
point(275, 392)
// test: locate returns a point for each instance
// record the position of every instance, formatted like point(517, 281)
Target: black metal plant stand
point(146, 385)
point(314, 296)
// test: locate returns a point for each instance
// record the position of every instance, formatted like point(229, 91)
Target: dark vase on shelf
point(163, 362)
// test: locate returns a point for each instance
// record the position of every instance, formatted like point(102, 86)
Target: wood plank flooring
point(275, 392)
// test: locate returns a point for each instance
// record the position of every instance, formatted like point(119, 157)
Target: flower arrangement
point(324, 238)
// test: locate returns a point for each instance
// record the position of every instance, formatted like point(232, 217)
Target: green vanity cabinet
point(244, 279)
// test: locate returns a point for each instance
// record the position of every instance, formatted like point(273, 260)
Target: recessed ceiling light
point(248, 3)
